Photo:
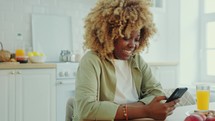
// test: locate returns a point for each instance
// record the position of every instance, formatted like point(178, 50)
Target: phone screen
point(178, 93)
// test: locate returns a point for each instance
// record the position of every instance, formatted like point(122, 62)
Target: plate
point(189, 113)
point(205, 112)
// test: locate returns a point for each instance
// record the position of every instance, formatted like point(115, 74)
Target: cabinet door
point(7, 95)
point(35, 95)
point(65, 90)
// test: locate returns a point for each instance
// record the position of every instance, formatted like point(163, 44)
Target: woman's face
point(124, 47)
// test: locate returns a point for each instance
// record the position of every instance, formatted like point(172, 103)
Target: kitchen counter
point(16, 65)
point(11, 65)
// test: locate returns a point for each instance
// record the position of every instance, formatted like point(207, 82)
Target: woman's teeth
point(128, 52)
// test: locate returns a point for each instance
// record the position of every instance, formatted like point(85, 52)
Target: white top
point(125, 88)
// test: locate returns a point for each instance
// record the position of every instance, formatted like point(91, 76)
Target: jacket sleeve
point(86, 104)
point(150, 87)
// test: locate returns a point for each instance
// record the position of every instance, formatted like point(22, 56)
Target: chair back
point(186, 99)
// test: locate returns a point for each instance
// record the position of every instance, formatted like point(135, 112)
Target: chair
point(186, 99)
point(69, 109)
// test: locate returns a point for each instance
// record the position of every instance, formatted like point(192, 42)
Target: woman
point(113, 81)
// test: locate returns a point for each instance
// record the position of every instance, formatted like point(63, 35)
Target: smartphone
point(177, 94)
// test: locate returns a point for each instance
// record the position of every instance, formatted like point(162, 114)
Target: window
point(207, 30)
point(209, 6)
point(210, 48)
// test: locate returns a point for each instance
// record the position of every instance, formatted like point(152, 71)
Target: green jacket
point(96, 85)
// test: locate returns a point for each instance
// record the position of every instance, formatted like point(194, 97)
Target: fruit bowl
point(37, 59)
point(200, 116)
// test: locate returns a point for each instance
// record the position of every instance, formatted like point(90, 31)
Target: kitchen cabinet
point(28, 94)
point(166, 74)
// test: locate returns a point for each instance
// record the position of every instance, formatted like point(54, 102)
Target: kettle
point(4, 54)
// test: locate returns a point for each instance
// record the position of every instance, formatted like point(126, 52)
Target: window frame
point(205, 18)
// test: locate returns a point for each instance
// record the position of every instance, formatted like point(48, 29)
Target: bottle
point(20, 51)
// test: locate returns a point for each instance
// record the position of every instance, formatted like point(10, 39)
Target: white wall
point(177, 39)
point(158, 42)
point(15, 17)
point(173, 36)
point(189, 39)
point(164, 47)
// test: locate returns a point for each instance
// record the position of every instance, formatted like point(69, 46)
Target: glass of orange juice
point(20, 52)
point(203, 96)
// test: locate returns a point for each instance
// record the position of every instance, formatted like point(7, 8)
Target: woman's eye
point(137, 40)
point(125, 38)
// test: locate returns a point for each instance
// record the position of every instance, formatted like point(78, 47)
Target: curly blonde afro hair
point(112, 19)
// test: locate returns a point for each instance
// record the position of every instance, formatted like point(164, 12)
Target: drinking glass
point(20, 52)
point(203, 96)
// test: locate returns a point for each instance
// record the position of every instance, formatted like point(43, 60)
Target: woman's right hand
point(158, 110)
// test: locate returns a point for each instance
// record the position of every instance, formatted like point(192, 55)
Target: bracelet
point(125, 111)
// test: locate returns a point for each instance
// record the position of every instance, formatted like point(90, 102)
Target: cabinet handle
point(60, 83)
point(18, 72)
point(12, 72)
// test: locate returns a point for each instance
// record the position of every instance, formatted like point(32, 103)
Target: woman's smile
point(128, 52)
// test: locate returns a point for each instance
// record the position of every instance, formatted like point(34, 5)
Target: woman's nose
point(131, 43)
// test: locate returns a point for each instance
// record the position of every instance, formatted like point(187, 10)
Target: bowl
point(37, 59)
point(22, 59)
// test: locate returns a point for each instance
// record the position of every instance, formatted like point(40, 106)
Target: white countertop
point(15, 65)
point(179, 114)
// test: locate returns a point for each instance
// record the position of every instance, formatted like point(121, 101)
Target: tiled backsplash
point(15, 17)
